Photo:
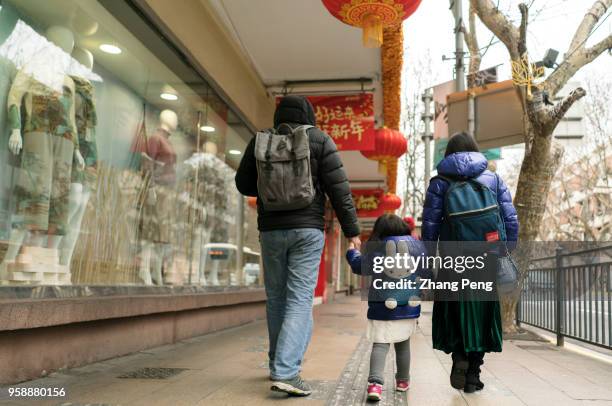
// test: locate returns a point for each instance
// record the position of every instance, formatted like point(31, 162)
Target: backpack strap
point(305, 128)
point(268, 153)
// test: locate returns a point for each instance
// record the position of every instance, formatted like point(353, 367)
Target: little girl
point(391, 314)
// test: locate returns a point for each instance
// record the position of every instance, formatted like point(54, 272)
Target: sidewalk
point(230, 368)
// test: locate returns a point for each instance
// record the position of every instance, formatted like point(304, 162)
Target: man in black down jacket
point(292, 243)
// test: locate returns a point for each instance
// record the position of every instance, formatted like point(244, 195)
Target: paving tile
point(230, 368)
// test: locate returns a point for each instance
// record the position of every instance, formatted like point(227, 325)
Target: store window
point(116, 158)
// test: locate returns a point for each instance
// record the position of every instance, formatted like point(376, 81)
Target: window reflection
point(117, 171)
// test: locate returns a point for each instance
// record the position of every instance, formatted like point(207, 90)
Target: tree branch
point(578, 55)
point(589, 20)
point(471, 40)
point(498, 24)
point(558, 111)
point(522, 41)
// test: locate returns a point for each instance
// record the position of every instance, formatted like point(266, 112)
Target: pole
point(427, 117)
point(559, 296)
point(240, 241)
point(194, 201)
point(457, 7)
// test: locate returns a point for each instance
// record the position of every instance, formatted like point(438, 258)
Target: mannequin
point(160, 157)
point(82, 182)
point(43, 130)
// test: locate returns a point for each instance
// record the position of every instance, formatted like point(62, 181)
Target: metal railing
point(570, 294)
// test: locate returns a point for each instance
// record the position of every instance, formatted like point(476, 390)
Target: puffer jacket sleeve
point(417, 249)
point(337, 188)
point(246, 176)
point(508, 212)
point(433, 212)
point(353, 257)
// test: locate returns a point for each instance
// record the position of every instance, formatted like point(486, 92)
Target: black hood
point(294, 109)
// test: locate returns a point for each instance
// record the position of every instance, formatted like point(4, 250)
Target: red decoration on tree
point(390, 202)
point(372, 15)
point(388, 144)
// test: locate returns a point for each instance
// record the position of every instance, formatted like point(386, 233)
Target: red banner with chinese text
point(348, 119)
point(367, 202)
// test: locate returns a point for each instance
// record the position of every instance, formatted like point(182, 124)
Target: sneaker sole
point(402, 389)
point(457, 378)
point(374, 396)
point(290, 389)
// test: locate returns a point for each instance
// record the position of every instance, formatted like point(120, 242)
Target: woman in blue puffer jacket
point(392, 312)
point(467, 329)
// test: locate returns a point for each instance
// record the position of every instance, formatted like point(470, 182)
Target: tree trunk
point(539, 166)
point(508, 313)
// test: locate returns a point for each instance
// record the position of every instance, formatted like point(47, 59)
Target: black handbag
point(507, 274)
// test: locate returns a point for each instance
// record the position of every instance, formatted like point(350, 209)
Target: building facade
point(123, 123)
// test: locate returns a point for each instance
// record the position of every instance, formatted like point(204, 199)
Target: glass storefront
point(117, 159)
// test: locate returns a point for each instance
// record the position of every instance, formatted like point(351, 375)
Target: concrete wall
point(41, 347)
point(192, 25)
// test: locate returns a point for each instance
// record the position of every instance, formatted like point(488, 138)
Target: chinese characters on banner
point(348, 119)
point(367, 202)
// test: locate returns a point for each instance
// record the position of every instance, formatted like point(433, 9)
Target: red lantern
point(372, 15)
point(252, 202)
point(390, 202)
point(388, 144)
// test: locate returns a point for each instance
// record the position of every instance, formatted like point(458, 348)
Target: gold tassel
point(372, 31)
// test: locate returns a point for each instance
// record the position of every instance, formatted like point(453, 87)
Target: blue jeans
point(291, 266)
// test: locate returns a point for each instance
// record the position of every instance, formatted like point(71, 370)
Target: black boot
point(459, 370)
point(472, 378)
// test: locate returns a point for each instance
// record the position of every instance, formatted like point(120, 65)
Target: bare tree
point(420, 74)
point(542, 156)
point(471, 40)
point(579, 206)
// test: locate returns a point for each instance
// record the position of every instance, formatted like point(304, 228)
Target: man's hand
point(354, 243)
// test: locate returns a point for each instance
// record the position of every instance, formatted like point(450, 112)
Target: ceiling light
point(234, 152)
point(110, 49)
point(168, 96)
point(207, 128)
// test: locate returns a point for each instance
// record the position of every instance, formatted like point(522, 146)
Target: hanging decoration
point(392, 55)
point(388, 146)
point(390, 202)
point(372, 16)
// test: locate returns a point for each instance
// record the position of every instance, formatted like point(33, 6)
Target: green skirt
point(466, 326)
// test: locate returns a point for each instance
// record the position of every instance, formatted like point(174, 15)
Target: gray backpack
point(284, 178)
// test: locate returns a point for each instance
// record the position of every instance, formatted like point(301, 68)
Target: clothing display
point(96, 166)
point(42, 186)
point(158, 219)
point(86, 120)
point(34, 107)
point(46, 121)
point(159, 148)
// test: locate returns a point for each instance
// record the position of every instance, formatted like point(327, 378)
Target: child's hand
point(354, 243)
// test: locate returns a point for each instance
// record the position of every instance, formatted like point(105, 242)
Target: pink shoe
point(402, 385)
point(374, 391)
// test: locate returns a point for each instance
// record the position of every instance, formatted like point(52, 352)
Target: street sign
point(498, 114)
